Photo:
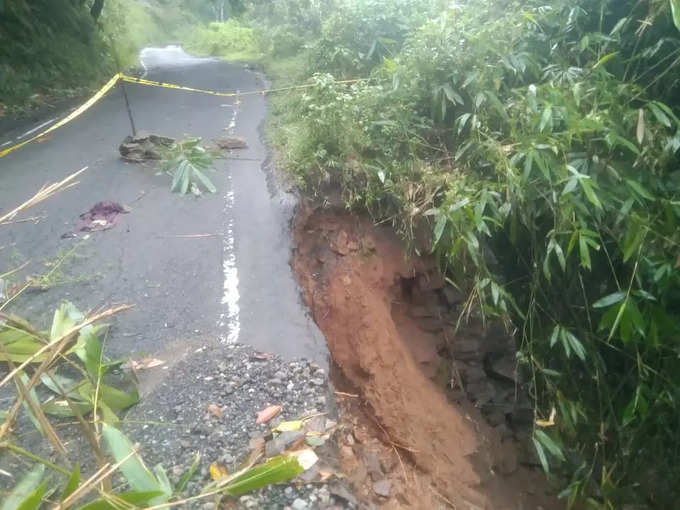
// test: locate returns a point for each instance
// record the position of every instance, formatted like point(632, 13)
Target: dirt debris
point(437, 414)
point(101, 216)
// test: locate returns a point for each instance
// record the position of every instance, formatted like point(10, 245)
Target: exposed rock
point(342, 244)
point(452, 296)
point(382, 488)
point(281, 442)
point(144, 146)
point(432, 280)
point(466, 349)
point(503, 367)
point(299, 504)
point(231, 142)
point(340, 491)
point(373, 465)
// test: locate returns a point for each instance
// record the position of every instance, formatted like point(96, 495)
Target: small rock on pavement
point(299, 504)
point(277, 445)
point(382, 488)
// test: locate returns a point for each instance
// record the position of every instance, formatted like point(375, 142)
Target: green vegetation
point(187, 161)
point(50, 49)
point(230, 40)
point(539, 142)
point(48, 45)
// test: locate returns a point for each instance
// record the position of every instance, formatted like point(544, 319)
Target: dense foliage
point(60, 47)
point(47, 45)
point(539, 140)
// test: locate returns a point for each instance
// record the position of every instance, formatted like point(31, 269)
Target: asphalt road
point(233, 285)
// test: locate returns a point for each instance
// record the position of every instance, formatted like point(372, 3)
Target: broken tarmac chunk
point(144, 146)
point(231, 142)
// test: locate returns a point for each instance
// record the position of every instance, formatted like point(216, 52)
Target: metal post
point(125, 96)
point(127, 106)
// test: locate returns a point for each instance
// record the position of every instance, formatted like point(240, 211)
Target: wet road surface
point(202, 269)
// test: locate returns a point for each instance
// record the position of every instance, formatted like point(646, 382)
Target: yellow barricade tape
point(69, 117)
point(141, 81)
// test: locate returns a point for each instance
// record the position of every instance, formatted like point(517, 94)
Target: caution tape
point(78, 111)
point(142, 81)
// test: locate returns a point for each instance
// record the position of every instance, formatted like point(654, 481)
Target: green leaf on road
point(24, 489)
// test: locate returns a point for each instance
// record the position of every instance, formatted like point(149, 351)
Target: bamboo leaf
point(135, 472)
point(546, 119)
point(35, 499)
point(205, 181)
point(439, 227)
point(72, 483)
point(547, 441)
point(116, 399)
point(275, 470)
point(584, 252)
point(541, 455)
point(187, 475)
point(675, 11)
point(606, 58)
point(640, 190)
point(640, 131)
point(659, 114)
point(590, 193)
point(609, 300)
point(24, 489)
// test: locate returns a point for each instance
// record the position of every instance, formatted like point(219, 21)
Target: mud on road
point(436, 416)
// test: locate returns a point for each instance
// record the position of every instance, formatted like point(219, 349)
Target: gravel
point(173, 422)
point(207, 403)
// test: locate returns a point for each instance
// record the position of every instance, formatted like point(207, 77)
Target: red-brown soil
point(434, 450)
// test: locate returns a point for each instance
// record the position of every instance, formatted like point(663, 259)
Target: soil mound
point(386, 319)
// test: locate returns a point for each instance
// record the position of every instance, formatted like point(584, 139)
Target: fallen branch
point(55, 347)
point(44, 193)
point(35, 219)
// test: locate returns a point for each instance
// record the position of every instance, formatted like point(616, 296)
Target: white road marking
point(230, 296)
point(31, 131)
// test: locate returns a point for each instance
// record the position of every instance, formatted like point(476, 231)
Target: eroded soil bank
point(437, 419)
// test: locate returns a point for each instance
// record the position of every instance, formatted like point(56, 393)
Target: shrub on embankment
point(540, 141)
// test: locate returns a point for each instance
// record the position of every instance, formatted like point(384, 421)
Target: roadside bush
point(358, 35)
point(230, 40)
point(541, 141)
